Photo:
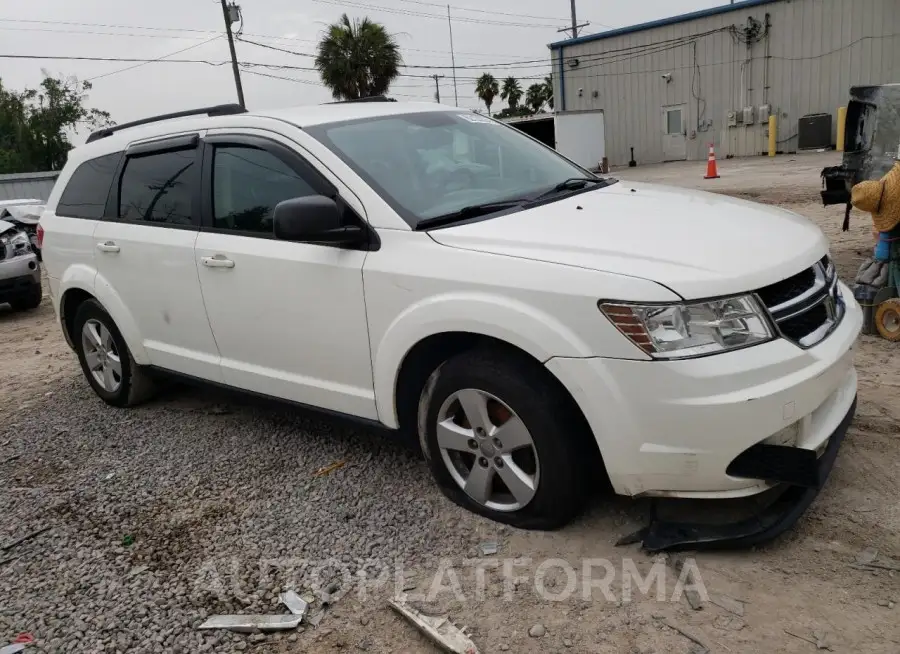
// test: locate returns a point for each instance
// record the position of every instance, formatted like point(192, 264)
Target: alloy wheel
point(488, 450)
point(101, 355)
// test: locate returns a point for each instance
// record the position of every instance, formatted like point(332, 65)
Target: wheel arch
point(79, 285)
point(455, 322)
point(423, 358)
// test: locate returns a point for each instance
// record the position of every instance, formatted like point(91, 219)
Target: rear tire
point(544, 457)
point(105, 359)
point(30, 301)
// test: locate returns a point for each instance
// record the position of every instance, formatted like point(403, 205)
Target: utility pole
point(437, 88)
point(575, 25)
point(229, 19)
point(452, 58)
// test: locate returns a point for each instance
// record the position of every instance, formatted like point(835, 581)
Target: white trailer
point(577, 135)
point(581, 137)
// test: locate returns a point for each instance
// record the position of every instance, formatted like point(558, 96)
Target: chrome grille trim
point(823, 297)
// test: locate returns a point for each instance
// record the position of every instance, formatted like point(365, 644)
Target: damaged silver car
point(20, 273)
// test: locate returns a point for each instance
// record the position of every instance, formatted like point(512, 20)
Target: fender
point(89, 280)
point(536, 332)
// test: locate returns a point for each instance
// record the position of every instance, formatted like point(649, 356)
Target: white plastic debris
point(252, 623)
point(294, 603)
point(440, 630)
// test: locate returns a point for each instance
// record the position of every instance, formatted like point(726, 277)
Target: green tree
point(487, 88)
point(511, 92)
point(535, 97)
point(357, 59)
point(548, 91)
point(35, 124)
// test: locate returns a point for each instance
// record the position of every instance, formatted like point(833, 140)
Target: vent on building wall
point(573, 62)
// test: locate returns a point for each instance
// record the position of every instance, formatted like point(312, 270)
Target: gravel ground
point(202, 502)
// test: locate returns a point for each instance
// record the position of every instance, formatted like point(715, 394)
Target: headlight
point(17, 244)
point(673, 331)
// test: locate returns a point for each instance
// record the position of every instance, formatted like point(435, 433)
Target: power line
point(93, 33)
point(171, 54)
point(319, 84)
point(421, 14)
point(195, 31)
point(488, 11)
point(478, 66)
point(180, 61)
point(127, 27)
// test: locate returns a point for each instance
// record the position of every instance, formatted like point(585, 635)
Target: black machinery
point(871, 150)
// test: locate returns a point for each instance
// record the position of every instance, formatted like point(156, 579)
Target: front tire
point(105, 359)
point(502, 440)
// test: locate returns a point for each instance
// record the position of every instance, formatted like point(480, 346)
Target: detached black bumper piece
point(802, 476)
point(15, 288)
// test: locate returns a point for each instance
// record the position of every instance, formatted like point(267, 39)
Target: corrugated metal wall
point(817, 49)
point(26, 186)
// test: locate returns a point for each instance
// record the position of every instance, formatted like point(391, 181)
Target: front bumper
point(673, 428)
point(770, 522)
point(18, 276)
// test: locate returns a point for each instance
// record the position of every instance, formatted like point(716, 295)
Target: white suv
point(426, 268)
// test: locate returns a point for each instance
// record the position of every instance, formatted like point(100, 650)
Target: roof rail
point(371, 98)
point(216, 110)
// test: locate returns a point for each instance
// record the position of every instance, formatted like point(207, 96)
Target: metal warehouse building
point(671, 87)
point(27, 186)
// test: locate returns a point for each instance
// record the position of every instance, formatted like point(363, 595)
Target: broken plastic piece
point(12, 649)
point(252, 623)
point(295, 604)
point(439, 629)
point(324, 470)
point(489, 548)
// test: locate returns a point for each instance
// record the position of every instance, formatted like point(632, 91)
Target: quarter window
point(247, 184)
point(85, 194)
point(158, 188)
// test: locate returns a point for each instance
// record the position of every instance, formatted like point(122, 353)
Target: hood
point(27, 214)
point(696, 243)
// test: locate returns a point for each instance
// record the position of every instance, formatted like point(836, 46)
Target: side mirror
point(313, 219)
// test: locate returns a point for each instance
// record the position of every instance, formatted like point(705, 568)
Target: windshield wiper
point(470, 211)
point(571, 184)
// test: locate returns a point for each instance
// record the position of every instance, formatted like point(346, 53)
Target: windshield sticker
point(476, 118)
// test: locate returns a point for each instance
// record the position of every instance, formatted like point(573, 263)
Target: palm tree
point(487, 88)
point(535, 97)
point(357, 59)
point(548, 91)
point(511, 92)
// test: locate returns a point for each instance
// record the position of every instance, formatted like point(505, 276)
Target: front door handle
point(218, 261)
point(108, 246)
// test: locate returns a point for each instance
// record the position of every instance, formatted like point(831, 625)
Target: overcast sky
point(148, 30)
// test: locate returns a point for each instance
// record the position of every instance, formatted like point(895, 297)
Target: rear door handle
point(108, 246)
point(218, 261)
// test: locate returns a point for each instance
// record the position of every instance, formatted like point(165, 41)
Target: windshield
point(432, 164)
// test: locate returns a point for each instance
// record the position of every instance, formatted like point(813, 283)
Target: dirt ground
point(795, 591)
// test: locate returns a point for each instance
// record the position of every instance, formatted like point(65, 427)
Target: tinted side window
point(247, 184)
point(85, 194)
point(158, 188)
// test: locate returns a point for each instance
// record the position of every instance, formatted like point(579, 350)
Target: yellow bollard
point(772, 134)
point(841, 126)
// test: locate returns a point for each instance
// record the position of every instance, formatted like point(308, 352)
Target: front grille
point(787, 289)
point(805, 307)
point(801, 326)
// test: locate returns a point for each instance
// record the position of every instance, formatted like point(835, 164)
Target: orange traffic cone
point(712, 172)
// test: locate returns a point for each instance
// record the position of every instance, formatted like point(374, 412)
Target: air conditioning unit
point(749, 115)
point(814, 132)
